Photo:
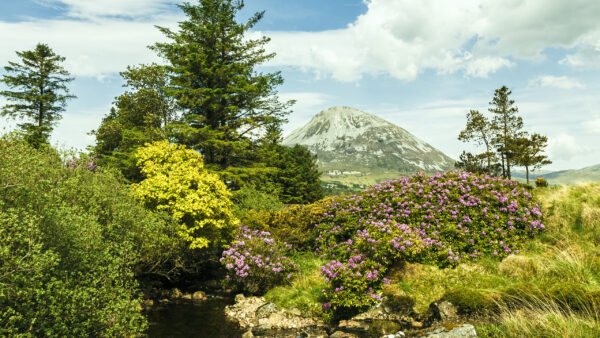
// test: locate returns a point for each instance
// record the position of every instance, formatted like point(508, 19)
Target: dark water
point(189, 319)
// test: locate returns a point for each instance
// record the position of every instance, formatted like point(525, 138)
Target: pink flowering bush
point(255, 262)
point(442, 220)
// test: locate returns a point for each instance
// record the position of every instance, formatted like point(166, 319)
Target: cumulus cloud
point(588, 52)
point(399, 38)
point(565, 147)
point(561, 82)
point(402, 38)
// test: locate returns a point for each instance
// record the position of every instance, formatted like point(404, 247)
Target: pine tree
point(225, 103)
point(139, 116)
point(506, 125)
point(38, 92)
point(479, 129)
point(530, 152)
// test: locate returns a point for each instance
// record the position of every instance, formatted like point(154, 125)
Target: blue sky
point(419, 64)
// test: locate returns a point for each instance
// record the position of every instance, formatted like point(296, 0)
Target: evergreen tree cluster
point(506, 143)
point(207, 96)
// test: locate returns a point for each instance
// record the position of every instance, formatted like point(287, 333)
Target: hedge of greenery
point(72, 238)
point(442, 220)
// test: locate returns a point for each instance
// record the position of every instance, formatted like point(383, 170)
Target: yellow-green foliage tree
point(176, 181)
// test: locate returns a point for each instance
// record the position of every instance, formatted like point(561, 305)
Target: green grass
point(552, 288)
point(304, 292)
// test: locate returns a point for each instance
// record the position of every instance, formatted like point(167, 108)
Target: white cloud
point(92, 48)
point(588, 52)
point(565, 147)
point(402, 38)
point(561, 82)
point(307, 105)
point(88, 9)
point(592, 126)
point(486, 65)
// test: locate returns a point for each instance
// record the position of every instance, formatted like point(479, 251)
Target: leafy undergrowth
point(551, 288)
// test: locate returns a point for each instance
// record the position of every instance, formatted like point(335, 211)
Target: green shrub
point(541, 182)
point(294, 224)
point(249, 198)
point(70, 242)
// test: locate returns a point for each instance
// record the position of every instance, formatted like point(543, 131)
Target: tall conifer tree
point(38, 92)
point(225, 102)
point(507, 126)
point(530, 152)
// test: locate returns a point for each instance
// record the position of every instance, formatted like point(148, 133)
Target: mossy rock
point(471, 302)
point(401, 304)
point(379, 328)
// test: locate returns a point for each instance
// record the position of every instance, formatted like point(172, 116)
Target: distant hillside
point(357, 148)
point(567, 177)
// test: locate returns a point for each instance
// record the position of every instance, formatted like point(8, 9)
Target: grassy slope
point(551, 289)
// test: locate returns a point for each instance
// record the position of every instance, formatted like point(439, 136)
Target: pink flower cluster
point(255, 262)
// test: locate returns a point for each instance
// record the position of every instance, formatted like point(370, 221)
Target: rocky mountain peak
point(346, 139)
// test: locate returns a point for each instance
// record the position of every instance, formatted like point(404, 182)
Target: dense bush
point(541, 182)
point(176, 182)
point(70, 241)
point(255, 262)
point(249, 198)
point(442, 220)
point(293, 224)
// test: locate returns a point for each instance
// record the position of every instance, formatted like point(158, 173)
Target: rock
point(463, 331)
point(266, 319)
point(148, 303)
point(416, 325)
point(187, 296)
point(295, 312)
point(398, 334)
point(213, 284)
point(244, 310)
point(353, 325)
point(341, 334)
point(442, 311)
point(379, 312)
point(248, 334)
point(199, 295)
point(266, 310)
point(175, 293)
point(163, 301)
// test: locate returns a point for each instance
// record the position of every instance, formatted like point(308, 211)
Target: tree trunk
point(527, 171)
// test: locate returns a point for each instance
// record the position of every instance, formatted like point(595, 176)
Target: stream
point(192, 319)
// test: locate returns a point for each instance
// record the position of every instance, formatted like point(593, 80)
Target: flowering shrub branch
point(255, 262)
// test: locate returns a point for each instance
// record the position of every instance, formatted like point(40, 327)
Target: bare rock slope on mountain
point(350, 142)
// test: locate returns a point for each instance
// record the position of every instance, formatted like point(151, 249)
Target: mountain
point(364, 148)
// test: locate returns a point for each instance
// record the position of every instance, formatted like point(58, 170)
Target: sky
point(419, 64)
